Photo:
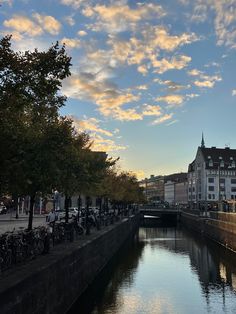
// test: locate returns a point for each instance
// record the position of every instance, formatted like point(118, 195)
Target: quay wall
point(218, 226)
point(52, 283)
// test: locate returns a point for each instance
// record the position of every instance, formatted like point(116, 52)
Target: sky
point(147, 78)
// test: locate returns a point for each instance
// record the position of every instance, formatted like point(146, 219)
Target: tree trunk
point(67, 203)
point(15, 205)
point(30, 222)
point(87, 216)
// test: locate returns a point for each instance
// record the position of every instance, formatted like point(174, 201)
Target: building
point(212, 176)
point(153, 188)
point(175, 188)
point(169, 189)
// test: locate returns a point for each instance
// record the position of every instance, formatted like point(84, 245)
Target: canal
point(165, 270)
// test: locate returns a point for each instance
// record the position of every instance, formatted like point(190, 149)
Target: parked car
point(3, 209)
point(61, 214)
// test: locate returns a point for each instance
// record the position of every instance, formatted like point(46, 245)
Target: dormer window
point(222, 164)
point(210, 163)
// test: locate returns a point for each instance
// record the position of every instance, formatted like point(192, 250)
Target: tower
point(202, 142)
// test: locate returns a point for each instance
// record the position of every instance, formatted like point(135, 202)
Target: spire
point(202, 142)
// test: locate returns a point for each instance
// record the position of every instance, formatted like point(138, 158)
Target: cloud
point(119, 17)
point(143, 69)
point(89, 125)
point(142, 87)
point(176, 63)
point(71, 42)
point(162, 119)
point(144, 51)
point(76, 4)
point(224, 18)
point(96, 133)
point(34, 27)
point(106, 145)
point(22, 24)
point(194, 72)
point(82, 33)
point(189, 96)
point(234, 92)
point(208, 84)
point(160, 38)
point(123, 114)
point(204, 80)
point(48, 23)
point(152, 110)
point(173, 86)
point(172, 100)
point(199, 13)
point(107, 96)
point(69, 20)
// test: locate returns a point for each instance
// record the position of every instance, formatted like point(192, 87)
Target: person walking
point(51, 219)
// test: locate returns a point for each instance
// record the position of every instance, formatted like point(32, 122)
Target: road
point(8, 222)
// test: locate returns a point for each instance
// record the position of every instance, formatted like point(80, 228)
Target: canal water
point(165, 270)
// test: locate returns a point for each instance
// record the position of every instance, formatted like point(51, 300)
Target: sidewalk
point(22, 217)
point(8, 222)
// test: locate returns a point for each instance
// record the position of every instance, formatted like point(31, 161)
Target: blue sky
point(147, 77)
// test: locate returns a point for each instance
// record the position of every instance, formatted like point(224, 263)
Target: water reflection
point(165, 270)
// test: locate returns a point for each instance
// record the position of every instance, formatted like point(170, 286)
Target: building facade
point(153, 188)
point(176, 192)
point(212, 176)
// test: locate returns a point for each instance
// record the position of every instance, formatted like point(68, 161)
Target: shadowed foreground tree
point(30, 125)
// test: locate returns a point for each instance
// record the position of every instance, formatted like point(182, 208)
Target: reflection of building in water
point(208, 260)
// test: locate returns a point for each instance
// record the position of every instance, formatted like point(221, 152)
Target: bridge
point(160, 213)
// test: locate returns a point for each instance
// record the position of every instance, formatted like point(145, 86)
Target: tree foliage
point(39, 149)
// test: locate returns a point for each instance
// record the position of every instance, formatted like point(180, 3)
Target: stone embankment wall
point(51, 283)
point(219, 226)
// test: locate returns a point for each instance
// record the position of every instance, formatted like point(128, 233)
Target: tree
point(30, 98)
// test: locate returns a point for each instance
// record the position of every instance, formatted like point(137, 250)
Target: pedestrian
point(51, 219)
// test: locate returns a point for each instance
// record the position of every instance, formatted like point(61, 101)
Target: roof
point(216, 155)
point(176, 177)
point(191, 166)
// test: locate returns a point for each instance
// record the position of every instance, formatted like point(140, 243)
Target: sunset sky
point(147, 77)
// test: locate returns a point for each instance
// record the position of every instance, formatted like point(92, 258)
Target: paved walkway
point(8, 222)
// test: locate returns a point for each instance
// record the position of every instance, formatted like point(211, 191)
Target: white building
point(176, 186)
point(170, 192)
point(212, 175)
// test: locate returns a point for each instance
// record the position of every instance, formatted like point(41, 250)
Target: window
point(199, 196)
point(222, 180)
point(213, 196)
point(233, 181)
point(232, 197)
point(210, 180)
point(233, 164)
point(222, 164)
point(233, 189)
point(209, 196)
point(210, 163)
point(193, 189)
point(211, 188)
point(222, 188)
